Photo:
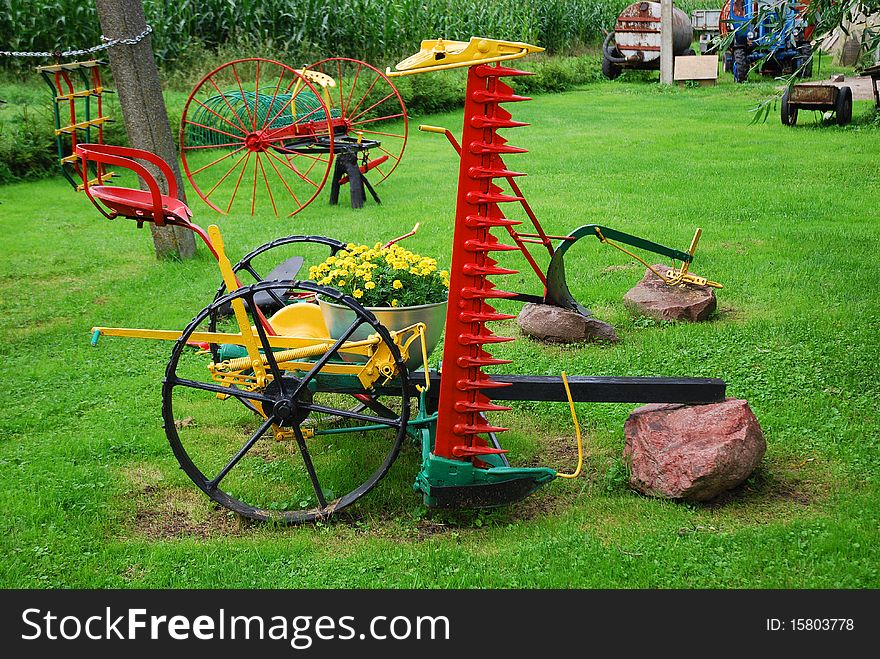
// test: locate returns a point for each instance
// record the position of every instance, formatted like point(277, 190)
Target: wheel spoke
point(345, 107)
point(219, 116)
point(294, 170)
point(376, 132)
point(268, 353)
point(275, 93)
point(218, 389)
point(211, 146)
point(299, 205)
point(391, 423)
point(231, 169)
point(375, 119)
point(244, 99)
point(327, 355)
point(214, 129)
point(221, 158)
point(238, 182)
point(339, 80)
point(250, 268)
point(376, 104)
point(214, 482)
point(307, 460)
point(268, 125)
point(257, 96)
point(228, 104)
point(268, 189)
point(367, 93)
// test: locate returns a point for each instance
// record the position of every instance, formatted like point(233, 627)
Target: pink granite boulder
point(692, 452)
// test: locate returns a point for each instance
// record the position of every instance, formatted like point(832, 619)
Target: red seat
point(141, 205)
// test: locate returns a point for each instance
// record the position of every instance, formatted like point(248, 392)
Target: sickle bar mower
point(465, 466)
point(321, 419)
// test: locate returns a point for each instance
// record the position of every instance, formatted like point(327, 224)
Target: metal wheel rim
point(288, 186)
point(332, 66)
point(203, 482)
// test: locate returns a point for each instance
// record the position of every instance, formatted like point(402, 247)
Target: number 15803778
point(810, 624)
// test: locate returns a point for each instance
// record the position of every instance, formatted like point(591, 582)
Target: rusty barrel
point(637, 32)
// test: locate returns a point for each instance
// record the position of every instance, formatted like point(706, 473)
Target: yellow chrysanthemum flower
point(370, 285)
point(358, 292)
point(397, 284)
point(394, 302)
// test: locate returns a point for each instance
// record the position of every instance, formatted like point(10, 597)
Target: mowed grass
point(92, 495)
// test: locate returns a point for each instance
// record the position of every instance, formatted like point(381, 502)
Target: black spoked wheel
point(307, 452)
point(843, 109)
point(259, 265)
point(789, 113)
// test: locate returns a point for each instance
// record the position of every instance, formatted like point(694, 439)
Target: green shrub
point(27, 145)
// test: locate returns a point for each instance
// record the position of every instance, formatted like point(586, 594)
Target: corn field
point(378, 31)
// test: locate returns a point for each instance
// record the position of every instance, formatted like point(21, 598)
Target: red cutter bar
point(460, 422)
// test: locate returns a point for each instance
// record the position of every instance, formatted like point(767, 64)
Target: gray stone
point(654, 298)
point(549, 323)
point(692, 452)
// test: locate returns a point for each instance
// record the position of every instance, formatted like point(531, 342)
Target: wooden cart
point(817, 97)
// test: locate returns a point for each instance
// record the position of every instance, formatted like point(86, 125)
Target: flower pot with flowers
point(399, 287)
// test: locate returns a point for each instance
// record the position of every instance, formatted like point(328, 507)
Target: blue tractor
point(772, 32)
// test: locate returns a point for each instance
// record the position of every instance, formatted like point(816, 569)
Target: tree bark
point(143, 108)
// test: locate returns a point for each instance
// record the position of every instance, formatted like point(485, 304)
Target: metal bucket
point(339, 318)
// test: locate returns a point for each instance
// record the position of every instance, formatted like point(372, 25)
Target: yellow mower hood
point(439, 54)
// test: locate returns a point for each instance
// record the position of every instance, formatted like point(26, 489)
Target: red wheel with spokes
point(255, 132)
point(362, 99)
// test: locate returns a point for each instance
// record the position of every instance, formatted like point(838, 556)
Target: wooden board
point(696, 67)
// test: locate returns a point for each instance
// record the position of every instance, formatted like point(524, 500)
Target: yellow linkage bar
point(577, 432)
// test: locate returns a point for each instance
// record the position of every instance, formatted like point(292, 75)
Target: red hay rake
point(257, 132)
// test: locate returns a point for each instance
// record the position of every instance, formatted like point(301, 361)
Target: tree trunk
point(140, 95)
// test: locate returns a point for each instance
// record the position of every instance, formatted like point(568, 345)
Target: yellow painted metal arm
point(360, 347)
point(432, 129)
point(439, 55)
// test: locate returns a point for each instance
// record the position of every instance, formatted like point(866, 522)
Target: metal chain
point(106, 43)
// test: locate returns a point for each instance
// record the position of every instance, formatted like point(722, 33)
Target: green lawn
point(92, 495)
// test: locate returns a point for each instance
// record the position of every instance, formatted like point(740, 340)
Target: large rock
point(549, 323)
point(692, 452)
point(654, 298)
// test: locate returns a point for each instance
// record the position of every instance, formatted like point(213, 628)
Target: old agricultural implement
point(255, 132)
point(78, 112)
point(310, 423)
point(634, 43)
point(820, 98)
point(771, 33)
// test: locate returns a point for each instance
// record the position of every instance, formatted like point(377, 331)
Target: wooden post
point(666, 54)
point(136, 79)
